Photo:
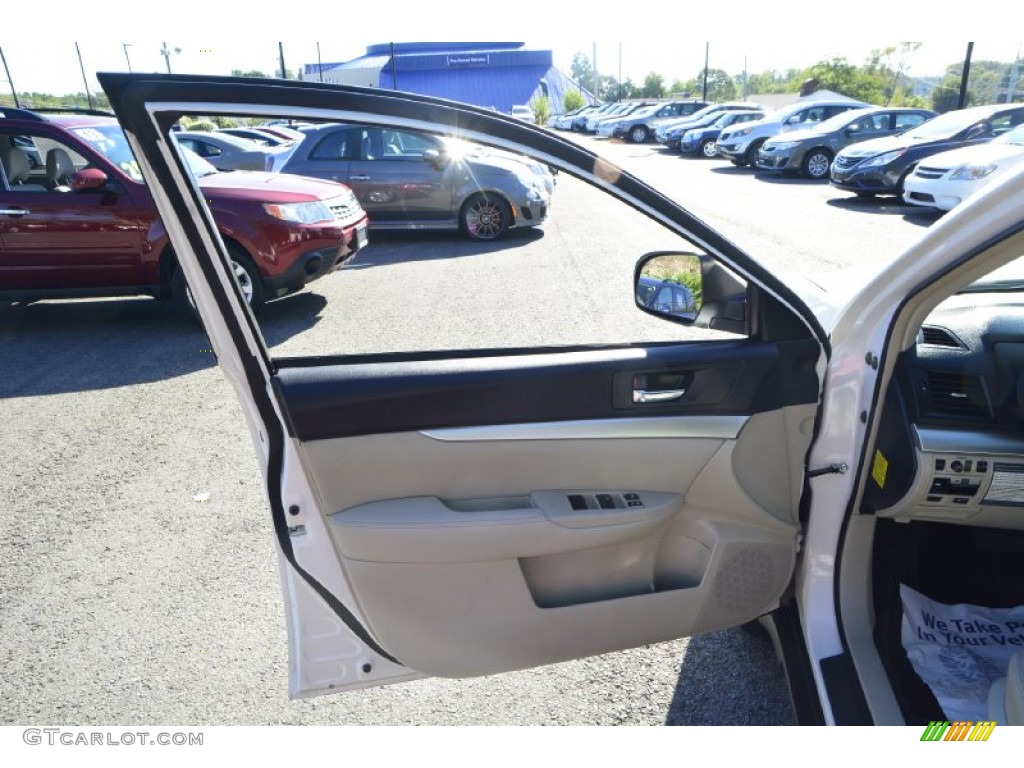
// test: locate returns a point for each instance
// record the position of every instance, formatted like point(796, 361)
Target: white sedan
point(945, 180)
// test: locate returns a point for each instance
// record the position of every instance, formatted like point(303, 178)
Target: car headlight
point(691, 135)
point(782, 146)
point(972, 172)
point(885, 159)
point(740, 133)
point(301, 213)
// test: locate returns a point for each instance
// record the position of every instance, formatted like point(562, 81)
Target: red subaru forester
point(77, 220)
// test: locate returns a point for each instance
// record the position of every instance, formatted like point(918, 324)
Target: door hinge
point(831, 469)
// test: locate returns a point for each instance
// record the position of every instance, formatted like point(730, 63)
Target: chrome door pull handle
point(14, 211)
point(362, 177)
point(663, 396)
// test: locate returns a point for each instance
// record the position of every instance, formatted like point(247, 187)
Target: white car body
point(945, 180)
point(444, 584)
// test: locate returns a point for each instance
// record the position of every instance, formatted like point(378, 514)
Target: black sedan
point(879, 166)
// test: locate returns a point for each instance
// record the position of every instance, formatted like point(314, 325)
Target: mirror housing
point(88, 179)
point(435, 158)
point(690, 289)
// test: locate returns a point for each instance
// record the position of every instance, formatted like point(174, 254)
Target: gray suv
point(810, 151)
point(740, 144)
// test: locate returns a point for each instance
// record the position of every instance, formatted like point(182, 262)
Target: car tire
point(708, 148)
point(817, 164)
point(248, 280)
point(639, 134)
point(751, 155)
point(485, 217)
point(865, 195)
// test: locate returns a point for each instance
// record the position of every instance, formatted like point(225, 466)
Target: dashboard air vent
point(957, 394)
point(940, 337)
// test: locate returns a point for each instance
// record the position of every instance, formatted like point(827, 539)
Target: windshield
point(945, 126)
point(110, 141)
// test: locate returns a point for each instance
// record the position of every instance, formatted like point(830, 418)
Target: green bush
point(572, 100)
point(541, 109)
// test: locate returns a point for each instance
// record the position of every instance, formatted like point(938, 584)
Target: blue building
point(496, 75)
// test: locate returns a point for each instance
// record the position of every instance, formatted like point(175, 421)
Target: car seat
point(17, 167)
point(1006, 696)
point(59, 170)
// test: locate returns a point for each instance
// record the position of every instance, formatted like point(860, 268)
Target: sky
point(212, 38)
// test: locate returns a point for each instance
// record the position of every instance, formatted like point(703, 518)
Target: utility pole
point(597, 80)
point(620, 71)
point(85, 82)
point(394, 69)
point(166, 53)
point(1011, 86)
point(319, 64)
point(10, 82)
point(707, 50)
point(964, 76)
point(126, 46)
point(280, 55)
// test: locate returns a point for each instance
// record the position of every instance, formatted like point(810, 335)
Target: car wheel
point(751, 156)
point(865, 195)
point(639, 134)
point(245, 273)
point(708, 148)
point(817, 163)
point(485, 217)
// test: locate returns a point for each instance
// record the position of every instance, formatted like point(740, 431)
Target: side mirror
point(87, 179)
point(690, 289)
point(670, 285)
point(434, 157)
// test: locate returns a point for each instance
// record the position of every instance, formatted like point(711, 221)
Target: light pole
point(10, 82)
point(85, 82)
point(126, 46)
point(166, 53)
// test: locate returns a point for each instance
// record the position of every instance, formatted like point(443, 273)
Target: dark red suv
point(77, 220)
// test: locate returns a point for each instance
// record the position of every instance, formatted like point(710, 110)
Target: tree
point(572, 100)
point(720, 86)
point(653, 87)
point(582, 70)
point(848, 79)
point(248, 73)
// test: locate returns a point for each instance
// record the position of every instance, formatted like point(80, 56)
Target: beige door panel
point(465, 560)
point(468, 619)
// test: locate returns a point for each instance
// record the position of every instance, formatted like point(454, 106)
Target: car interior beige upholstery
point(535, 552)
point(59, 169)
point(1006, 697)
point(18, 168)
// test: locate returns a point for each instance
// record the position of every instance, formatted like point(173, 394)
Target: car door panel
point(501, 533)
point(467, 513)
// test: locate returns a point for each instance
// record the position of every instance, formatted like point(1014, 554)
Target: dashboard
point(951, 444)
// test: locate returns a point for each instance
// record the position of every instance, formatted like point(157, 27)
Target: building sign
point(470, 60)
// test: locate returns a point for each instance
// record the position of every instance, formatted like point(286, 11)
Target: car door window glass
point(333, 146)
point(571, 274)
point(906, 121)
point(38, 162)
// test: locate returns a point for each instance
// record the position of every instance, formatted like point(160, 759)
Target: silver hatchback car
point(406, 179)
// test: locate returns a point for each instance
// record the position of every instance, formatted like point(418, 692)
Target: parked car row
point(928, 160)
point(77, 218)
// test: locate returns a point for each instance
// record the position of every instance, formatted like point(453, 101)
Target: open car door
point(463, 511)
